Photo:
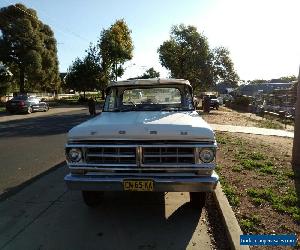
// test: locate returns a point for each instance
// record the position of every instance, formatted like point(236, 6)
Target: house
point(262, 88)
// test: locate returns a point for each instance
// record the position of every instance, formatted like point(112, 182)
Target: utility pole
point(296, 144)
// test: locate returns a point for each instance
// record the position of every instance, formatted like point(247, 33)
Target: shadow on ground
point(139, 221)
point(41, 126)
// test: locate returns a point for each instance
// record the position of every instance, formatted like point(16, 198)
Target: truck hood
point(146, 125)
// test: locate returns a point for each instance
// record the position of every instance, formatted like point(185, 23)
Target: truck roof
point(152, 81)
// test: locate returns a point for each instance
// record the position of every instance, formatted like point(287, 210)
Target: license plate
point(138, 185)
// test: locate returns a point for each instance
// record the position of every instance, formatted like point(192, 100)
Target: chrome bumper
point(161, 184)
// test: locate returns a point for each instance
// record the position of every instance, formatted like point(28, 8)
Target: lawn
point(259, 182)
point(230, 117)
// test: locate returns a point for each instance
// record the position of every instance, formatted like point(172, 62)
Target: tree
point(5, 80)
point(28, 48)
point(223, 67)
point(115, 49)
point(84, 75)
point(291, 78)
point(150, 73)
point(187, 55)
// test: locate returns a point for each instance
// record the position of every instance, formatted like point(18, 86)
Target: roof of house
point(152, 81)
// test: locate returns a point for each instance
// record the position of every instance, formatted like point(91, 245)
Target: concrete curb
point(232, 227)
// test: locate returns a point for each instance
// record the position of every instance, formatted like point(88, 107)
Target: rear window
point(20, 97)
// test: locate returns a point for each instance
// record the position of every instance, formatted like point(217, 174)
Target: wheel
point(197, 199)
point(217, 107)
point(92, 198)
point(46, 108)
point(29, 110)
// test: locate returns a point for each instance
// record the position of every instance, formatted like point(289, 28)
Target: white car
point(148, 138)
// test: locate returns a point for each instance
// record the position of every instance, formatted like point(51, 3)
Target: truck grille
point(111, 155)
point(168, 155)
point(150, 155)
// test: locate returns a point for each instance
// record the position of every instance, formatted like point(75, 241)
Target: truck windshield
point(148, 99)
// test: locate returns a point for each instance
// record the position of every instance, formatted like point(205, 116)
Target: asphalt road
point(33, 145)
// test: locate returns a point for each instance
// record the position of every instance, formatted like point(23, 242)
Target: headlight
point(74, 155)
point(207, 155)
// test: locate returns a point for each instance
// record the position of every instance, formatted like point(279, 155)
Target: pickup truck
point(147, 138)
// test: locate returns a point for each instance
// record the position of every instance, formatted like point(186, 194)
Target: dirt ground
point(231, 117)
point(252, 164)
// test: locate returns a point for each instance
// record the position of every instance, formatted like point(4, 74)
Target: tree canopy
point(5, 80)
point(115, 49)
point(150, 73)
point(28, 48)
point(187, 55)
point(85, 74)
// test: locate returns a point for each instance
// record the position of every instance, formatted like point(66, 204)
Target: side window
point(110, 101)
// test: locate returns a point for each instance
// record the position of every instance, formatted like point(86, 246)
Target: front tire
point(46, 108)
point(92, 198)
point(197, 199)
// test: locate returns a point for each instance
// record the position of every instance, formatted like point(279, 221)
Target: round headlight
point(207, 155)
point(74, 155)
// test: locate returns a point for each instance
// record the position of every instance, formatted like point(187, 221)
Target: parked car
point(214, 102)
point(148, 138)
point(27, 104)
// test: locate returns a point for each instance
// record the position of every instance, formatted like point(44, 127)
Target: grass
point(2, 109)
point(237, 168)
point(271, 191)
point(231, 193)
point(269, 124)
point(284, 203)
point(250, 224)
point(228, 190)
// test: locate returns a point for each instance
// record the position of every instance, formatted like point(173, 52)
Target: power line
point(66, 31)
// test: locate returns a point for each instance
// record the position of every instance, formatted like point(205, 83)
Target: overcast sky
point(262, 35)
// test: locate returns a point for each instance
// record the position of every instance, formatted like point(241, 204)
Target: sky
point(262, 35)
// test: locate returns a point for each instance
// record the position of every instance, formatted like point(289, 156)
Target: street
point(33, 145)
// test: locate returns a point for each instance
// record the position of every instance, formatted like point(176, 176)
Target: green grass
point(284, 203)
point(252, 164)
point(237, 168)
point(250, 224)
point(230, 193)
point(269, 124)
point(2, 109)
point(256, 156)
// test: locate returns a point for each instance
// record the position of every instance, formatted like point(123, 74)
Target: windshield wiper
point(124, 109)
point(170, 109)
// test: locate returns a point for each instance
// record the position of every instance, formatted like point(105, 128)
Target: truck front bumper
point(161, 184)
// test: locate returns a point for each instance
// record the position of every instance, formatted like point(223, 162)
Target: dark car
point(25, 103)
point(214, 102)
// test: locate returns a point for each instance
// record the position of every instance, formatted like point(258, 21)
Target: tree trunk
point(84, 95)
point(116, 71)
point(296, 144)
point(102, 94)
point(22, 80)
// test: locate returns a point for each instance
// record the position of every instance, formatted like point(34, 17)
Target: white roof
point(152, 81)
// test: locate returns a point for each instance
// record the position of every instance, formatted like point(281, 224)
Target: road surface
point(31, 146)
